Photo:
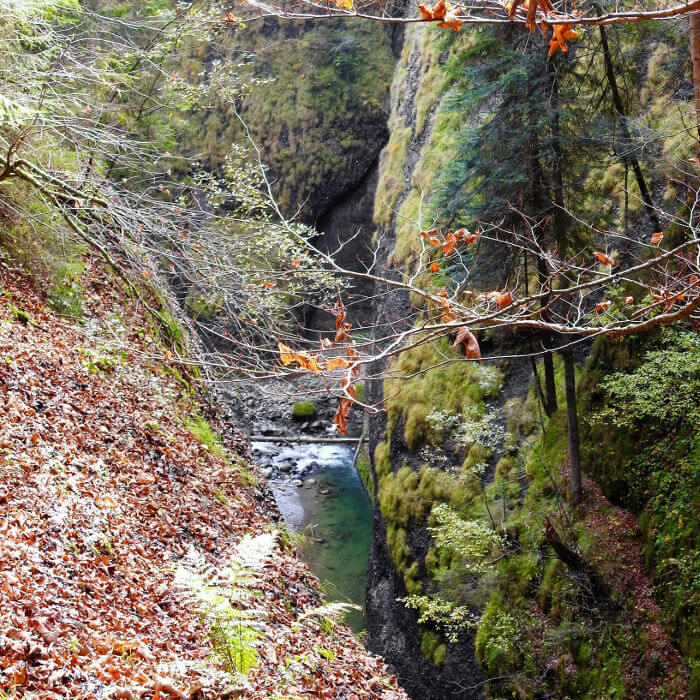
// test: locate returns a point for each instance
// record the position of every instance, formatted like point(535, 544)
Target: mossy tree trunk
point(695, 59)
point(572, 423)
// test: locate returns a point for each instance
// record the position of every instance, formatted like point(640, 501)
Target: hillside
point(142, 554)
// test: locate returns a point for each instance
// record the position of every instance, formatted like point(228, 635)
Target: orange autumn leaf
point(267, 284)
point(466, 236)
point(606, 260)
point(341, 417)
point(286, 354)
point(464, 335)
point(512, 7)
point(503, 300)
point(337, 362)
point(429, 234)
point(451, 21)
point(342, 326)
point(532, 7)
point(434, 267)
point(602, 306)
point(307, 362)
point(435, 242)
point(657, 237)
point(296, 263)
point(437, 11)
point(442, 298)
point(629, 300)
point(451, 240)
point(562, 33)
point(345, 4)
point(425, 13)
point(500, 299)
point(303, 359)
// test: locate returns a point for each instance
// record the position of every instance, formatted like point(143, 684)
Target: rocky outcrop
point(393, 630)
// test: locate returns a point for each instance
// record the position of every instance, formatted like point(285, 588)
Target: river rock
point(309, 483)
point(266, 472)
point(298, 482)
point(286, 467)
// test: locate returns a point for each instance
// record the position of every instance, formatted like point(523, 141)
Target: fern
point(224, 598)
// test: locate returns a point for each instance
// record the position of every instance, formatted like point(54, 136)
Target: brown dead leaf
point(464, 335)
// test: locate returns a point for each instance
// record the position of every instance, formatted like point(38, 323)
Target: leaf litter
point(106, 498)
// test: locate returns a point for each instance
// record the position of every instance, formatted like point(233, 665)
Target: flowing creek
point(320, 495)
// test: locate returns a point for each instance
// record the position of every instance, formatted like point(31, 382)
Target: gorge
point(513, 473)
point(227, 240)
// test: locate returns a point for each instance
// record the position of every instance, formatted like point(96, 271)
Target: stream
point(320, 495)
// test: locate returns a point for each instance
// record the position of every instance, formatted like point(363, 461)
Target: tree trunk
point(695, 59)
point(575, 562)
point(538, 207)
point(550, 387)
point(628, 155)
point(560, 223)
point(572, 421)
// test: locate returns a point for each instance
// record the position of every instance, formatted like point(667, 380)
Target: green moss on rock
point(303, 410)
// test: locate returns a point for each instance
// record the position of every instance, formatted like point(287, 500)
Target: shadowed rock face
point(317, 110)
point(345, 232)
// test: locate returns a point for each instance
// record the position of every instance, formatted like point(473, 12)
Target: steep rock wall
point(515, 467)
point(393, 630)
point(317, 106)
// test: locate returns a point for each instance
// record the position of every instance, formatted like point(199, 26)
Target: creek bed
point(333, 510)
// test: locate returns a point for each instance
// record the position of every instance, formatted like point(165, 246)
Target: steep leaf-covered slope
point(139, 554)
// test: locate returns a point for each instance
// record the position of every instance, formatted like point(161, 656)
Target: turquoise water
point(336, 516)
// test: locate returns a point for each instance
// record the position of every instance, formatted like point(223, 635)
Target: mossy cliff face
point(317, 108)
point(407, 482)
point(466, 444)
